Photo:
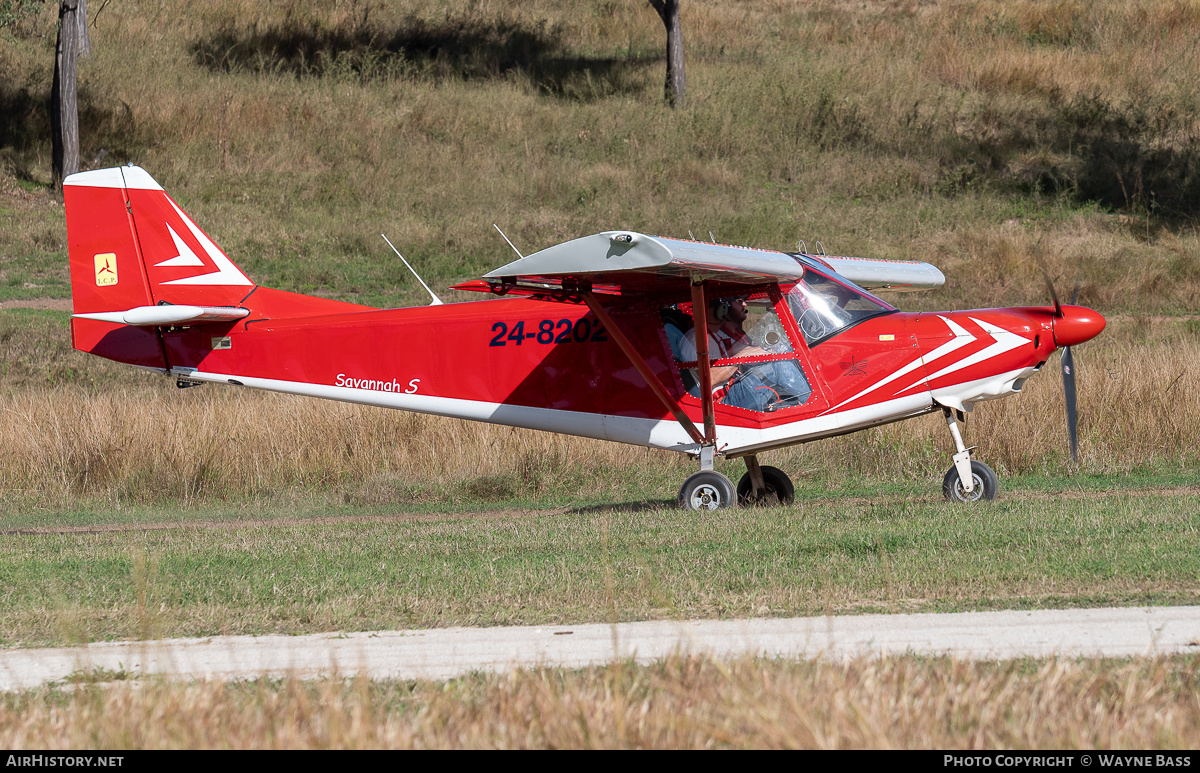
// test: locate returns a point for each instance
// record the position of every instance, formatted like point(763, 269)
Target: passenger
point(675, 323)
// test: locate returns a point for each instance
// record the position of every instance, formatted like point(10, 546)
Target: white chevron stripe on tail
point(226, 273)
point(184, 256)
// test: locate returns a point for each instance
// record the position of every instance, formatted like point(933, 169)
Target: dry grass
point(147, 445)
point(693, 703)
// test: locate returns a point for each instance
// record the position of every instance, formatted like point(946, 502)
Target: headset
point(720, 308)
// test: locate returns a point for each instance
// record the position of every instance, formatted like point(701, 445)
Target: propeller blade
point(1067, 362)
point(1075, 292)
point(1058, 312)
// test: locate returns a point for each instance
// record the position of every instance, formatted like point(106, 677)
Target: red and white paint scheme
point(599, 337)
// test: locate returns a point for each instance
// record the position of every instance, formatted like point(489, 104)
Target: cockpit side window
point(754, 364)
point(823, 307)
point(676, 324)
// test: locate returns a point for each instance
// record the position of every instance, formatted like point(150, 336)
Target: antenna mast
point(436, 300)
point(510, 244)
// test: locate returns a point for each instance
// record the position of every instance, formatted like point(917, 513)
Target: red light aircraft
point(705, 349)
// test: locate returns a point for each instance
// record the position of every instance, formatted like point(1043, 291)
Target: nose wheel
point(984, 484)
point(968, 480)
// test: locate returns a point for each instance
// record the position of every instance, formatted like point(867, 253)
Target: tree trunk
point(85, 40)
point(668, 11)
point(64, 111)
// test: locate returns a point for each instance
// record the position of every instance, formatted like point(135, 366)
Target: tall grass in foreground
point(151, 443)
point(681, 702)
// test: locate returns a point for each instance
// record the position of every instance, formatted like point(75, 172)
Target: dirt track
point(53, 304)
point(448, 652)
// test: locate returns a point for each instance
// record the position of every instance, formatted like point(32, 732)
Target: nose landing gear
point(984, 484)
point(968, 480)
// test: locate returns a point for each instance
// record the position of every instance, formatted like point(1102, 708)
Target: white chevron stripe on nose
point(1004, 341)
point(961, 339)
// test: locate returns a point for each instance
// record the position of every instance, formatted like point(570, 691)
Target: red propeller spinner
point(1076, 325)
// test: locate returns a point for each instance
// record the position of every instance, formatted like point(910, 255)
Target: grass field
point(983, 137)
point(972, 135)
point(201, 573)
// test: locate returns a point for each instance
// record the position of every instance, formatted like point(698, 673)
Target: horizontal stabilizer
point(169, 315)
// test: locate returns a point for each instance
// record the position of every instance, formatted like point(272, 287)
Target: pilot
point(730, 385)
point(785, 376)
point(735, 318)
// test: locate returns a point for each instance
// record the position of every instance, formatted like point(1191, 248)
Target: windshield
point(823, 308)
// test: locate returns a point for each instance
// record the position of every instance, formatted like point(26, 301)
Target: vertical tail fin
point(133, 251)
point(130, 245)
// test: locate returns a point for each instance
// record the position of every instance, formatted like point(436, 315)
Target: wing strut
point(704, 365)
point(639, 363)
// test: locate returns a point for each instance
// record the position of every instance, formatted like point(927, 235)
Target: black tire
point(779, 486)
point(986, 484)
point(706, 490)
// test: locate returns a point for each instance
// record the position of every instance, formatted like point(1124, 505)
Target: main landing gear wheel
point(779, 486)
point(706, 490)
point(986, 484)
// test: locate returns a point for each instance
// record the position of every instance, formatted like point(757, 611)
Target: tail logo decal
point(226, 273)
point(106, 269)
point(185, 257)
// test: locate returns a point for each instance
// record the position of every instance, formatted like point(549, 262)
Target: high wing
point(894, 275)
point(631, 260)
